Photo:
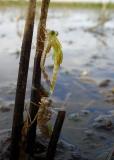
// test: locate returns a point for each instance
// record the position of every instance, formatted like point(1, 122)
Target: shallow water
point(88, 60)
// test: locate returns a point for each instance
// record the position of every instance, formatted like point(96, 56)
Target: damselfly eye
point(52, 32)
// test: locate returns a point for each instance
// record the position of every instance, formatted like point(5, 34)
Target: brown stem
point(22, 80)
point(55, 136)
point(37, 90)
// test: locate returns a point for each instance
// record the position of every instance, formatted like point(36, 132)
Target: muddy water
point(88, 61)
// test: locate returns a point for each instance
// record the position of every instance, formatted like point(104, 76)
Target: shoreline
point(74, 5)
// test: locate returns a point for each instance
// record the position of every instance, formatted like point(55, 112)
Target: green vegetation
point(57, 5)
point(81, 5)
point(12, 3)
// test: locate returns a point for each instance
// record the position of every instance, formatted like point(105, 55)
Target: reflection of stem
point(103, 18)
point(102, 41)
point(66, 99)
point(63, 106)
point(19, 33)
point(89, 104)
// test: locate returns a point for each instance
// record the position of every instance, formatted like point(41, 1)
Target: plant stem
point(22, 81)
point(55, 135)
point(37, 90)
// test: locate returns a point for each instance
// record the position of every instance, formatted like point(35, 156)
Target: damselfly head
point(52, 32)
